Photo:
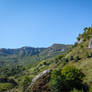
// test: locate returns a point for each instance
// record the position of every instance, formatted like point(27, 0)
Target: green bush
point(77, 58)
point(76, 90)
point(73, 77)
point(90, 55)
point(78, 38)
point(71, 58)
point(64, 61)
point(56, 81)
point(45, 63)
point(60, 57)
point(66, 80)
point(75, 44)
point(81, 46)
point(5, 86)
point(26, 81)
point(87, 55)
point(90, 89)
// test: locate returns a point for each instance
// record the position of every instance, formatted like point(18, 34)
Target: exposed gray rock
point(37, 77)
point(90, 43)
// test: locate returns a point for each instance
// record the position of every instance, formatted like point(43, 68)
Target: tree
point(71, 58)
point(77, 58)
point(66, 79)
point(56, 81)
point(85, 29)
point(73, 77)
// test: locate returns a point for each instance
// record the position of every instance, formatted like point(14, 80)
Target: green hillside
point(68, 72)
point(80, 56)
point(28, 55)
point(16, 64)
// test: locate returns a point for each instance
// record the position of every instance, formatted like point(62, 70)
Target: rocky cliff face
point(37, 78)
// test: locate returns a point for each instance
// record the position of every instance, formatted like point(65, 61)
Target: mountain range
point(29, 55)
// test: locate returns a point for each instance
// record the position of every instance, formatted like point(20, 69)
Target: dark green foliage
point(6, 86)
point(81, 46)
point(78, 38)
point(11, 71)
point(76, 90)
point(85, 29)
point(73, 77)
point(75, 44)
point(90, 89)
point(29, 55)
point(56, 81)
point(59, 57)
point(66, 80)
point(25, 82)
point(90, 55)
point(64, 61)
point(44, 63)
point(84, 39)
point(71, 58)
point(87, 55)
point(77, 58)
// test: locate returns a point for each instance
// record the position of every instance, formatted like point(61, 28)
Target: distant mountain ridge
point(26, 50)
point(30, 55)
point(33, 51)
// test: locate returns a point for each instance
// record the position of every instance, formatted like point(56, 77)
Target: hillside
point(54, 61)
point(17, 64)
point(28, 55)
point(80, 56)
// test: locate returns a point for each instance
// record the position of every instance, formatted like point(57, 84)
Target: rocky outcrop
point(44, 73)
point(90, 43)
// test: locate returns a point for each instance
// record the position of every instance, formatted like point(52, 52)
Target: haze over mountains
point(28, 55)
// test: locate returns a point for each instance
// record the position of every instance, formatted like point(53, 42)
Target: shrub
point(45, 63)
point(66, 80)
point(81, 46)
point(84, 39)
point(71, 58)
point(75, 44)
point(76, 90)
point(78, 38)
point(26, 81)
point(64, 61)
point(87, 55)
point(90, 89)
point(5, 86)
point(73, 77)
point(90, 54)
point(60, 56)
point(56, 81)
point(77, 58)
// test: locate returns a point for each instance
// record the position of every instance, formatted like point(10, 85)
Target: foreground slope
point(80, 56)
point(18, 64)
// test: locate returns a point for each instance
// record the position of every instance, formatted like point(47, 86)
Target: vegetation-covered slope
point(70, 72)
point(28, 55)
point(22, 63)
point(80, 56)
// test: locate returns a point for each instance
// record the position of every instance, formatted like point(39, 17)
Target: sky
point(41, 23)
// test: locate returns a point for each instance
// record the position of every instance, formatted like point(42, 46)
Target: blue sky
point(40, 23)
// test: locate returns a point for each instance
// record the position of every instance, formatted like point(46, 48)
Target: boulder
point(37, 78)
point(90, 43)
